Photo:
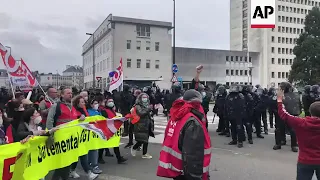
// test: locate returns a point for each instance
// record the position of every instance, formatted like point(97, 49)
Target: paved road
point(257, 161)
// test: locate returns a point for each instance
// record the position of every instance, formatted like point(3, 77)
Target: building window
point(250, 59)
point(138, 63)
point(231, 72)
point(148, 63)
point(237, 72)
point(157, 46)
point(128, 63)
point(157, 65)
point(148, 45)
point(241, 72)
point(272, 49)
point(231, 58)
point(246, 72)
point(272, 60)
point(272, 74)
point(138, 45)
point(272, 38)
point(143, 30)
point(128, 44)
point(227, 58)
point(227, 72)
point(279, 74)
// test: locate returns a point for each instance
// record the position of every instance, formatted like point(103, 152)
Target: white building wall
point(274, 65)
point(124, 32)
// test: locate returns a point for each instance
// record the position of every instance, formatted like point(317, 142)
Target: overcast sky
point(49, 35)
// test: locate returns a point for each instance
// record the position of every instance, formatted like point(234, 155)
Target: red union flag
point(262, 13)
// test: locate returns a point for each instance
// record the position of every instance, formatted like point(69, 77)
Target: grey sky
point(49, 34)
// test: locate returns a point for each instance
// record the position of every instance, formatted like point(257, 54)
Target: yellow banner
point(33, 160)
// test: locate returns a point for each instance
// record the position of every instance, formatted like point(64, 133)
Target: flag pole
point(9, 77)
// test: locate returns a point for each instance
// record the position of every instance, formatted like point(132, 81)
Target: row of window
point(242, 83)
point(233, 72)
point(282, 61)
point(290, 30)
point(147, 45)
point(238, 58)
point(281, 75)
point(304, 2)
point(293, 10)
point(282, 50)
point(99, 50)
point(99, 67)
point(284, 40)
point(147, 64)
point(287, 19)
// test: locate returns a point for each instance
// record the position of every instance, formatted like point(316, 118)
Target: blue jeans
point(93, 158)
point(305, 172)
point(84, 163)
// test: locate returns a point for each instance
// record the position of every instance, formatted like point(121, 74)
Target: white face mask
point(37, 120)
point(110, 104)
point(96, 106)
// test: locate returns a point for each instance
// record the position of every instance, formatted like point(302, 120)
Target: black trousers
point(247, 124)
point(130, 133)
point(116, 151)
point(280, 133)
point(271, 115)
point(144, 147)
point(222, 123)
point(263, 116)
point(305, 172)
point(237, 131)
point(61, 174)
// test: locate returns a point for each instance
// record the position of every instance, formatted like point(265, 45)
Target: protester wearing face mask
point(93, 154)
point(79, 104)
point(144, 127)
point(30, 125)
point(109, 113)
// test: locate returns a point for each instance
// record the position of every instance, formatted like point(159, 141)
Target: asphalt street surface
point(252, 162)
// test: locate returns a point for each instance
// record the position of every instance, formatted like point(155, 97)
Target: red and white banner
point(117, 78)
point(19, 73)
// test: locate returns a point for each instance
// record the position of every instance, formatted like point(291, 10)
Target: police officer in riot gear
point(292, 104)
point(219, 109)
point(235, 103)
point(272, 106)
point(306, 100)
point(247, 121)
point(315, 93)
point(256, 112)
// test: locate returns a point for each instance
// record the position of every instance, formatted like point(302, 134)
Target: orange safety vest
point(66, 115)
point(133, 116)
point(170, 161)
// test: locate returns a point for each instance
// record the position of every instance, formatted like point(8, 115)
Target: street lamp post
point(93, 62)
point(174, 33)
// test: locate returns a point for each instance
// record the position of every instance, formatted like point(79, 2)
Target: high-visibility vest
point(66, 114)
point(170, 161)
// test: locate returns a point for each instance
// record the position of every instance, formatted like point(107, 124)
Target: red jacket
point(308, 135)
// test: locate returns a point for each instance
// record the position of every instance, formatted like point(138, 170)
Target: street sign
point(174, 68)
point(180, 79)
point(98, 78)
point(174, 79)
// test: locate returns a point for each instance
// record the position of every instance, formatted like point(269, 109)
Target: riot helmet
point(234, 88)
point(315, 89)
point(240, 88)
point(259, 91)
point(258, 86)
point(221, 90)
point(307, 89)
point(246, 88)
point(175, 88)
point(272, 91)
point(286, 87)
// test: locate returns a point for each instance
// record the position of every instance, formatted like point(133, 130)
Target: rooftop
point(76, 69)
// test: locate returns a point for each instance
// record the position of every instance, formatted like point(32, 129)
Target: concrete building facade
point(275, 45)
point(71, 77)
point(220, 66)
point(143, 45)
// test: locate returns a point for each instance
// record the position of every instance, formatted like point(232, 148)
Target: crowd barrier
point(33, 160)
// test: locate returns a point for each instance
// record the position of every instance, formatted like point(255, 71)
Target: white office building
point(144, 45)
point(275, 45)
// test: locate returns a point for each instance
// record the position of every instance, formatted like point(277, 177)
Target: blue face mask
point(144, 100)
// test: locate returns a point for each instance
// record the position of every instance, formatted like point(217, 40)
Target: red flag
point(105, 129)
point(28, 74)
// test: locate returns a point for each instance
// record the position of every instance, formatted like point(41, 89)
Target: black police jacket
point(235, 103)
point(292, 104)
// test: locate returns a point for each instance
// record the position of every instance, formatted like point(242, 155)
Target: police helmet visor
point(234, 89)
